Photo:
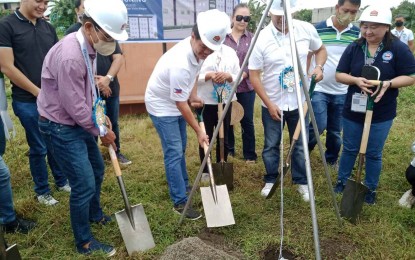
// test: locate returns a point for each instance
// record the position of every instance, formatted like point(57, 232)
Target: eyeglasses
point(107, 37)
point(245, 18)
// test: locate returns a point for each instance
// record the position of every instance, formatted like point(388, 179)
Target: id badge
point(359, 103)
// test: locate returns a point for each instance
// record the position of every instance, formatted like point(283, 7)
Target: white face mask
point(102, 47)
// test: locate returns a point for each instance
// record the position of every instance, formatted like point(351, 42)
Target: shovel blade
point(12, 253)
point(352, 201)
point(217, 214)
point(139, 238)
point(223, 173)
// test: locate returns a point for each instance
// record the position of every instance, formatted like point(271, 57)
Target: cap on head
point(277, 7)
point(110, 15)
point(376, 14)
point(213, 26)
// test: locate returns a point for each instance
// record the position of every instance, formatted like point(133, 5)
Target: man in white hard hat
point(272, 56)
point(336, 32)
point(169, 92)
point(69, 111)
point(21, 59)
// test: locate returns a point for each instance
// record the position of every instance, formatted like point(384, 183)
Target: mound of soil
point(193, 248)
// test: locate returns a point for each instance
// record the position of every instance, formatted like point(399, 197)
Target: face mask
point(102, 47)
point(398, 23)
point(345, 19)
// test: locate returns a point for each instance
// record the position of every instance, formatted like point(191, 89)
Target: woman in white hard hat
point(379, 48)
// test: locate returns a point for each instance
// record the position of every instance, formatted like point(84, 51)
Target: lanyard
point(370, 61)
point(87, 60)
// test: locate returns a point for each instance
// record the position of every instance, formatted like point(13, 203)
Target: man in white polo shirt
point(337, 32)
point(169, 92)
point(404, 34)
point(272, 56)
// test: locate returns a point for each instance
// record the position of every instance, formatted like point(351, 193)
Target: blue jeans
point(328, 111)
point(247, 100)
point(28, 116)
point(173, 136)
point(113, 109)
point(7, 213)
point(352, 136)
point(271, 152)
point(80, 159)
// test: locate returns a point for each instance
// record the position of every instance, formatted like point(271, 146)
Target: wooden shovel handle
point(114, 161)
point(366, 130)
point(298, 127)
point(375, 82)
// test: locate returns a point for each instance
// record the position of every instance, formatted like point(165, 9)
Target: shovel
point(296, 135)
point(8, 253)
point(223, 170)
point(354, 193)
point(216, 202)
point(132, 221)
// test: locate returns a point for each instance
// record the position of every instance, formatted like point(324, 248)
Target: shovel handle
point(221, 134)
point(114, 161)
point(374, 82)
point(366, 130)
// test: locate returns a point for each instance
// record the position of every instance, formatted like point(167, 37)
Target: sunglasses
point(245, 18)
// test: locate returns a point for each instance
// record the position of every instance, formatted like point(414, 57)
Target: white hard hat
point(110, 15)
point(213, 26)
point(376, 14)
point(277, 7)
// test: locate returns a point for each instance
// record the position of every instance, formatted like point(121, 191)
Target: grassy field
point(386, 231)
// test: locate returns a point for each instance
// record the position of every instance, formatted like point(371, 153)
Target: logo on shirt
point(387, 56)
point(178, 91)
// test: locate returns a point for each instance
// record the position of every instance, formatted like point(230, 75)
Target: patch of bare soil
point(218, 241)
point(337, 248)
point(272, 252)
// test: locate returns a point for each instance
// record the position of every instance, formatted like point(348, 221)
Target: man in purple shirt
point(65, 106)
point(240, 40)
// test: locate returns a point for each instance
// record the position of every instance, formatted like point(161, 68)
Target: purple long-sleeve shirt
point(241, 47)
point(66, 94)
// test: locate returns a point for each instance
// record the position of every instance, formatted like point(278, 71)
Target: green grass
point(385, 232)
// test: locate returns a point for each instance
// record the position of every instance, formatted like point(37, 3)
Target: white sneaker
point(303, 190)
point(407, 199)
point(65, 188)
point(47, 200)
point(267, 188)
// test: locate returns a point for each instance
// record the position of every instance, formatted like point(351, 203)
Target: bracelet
point(390, 83)
point(321, 67)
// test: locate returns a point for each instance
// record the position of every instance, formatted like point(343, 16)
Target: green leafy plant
point(257, 9)
point(62, 15)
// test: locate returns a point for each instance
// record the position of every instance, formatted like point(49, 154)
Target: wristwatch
point(110, 77)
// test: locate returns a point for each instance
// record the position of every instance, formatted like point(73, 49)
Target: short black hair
point(78, 3)
point(195, 31)
point(400, 16)
point(353, 2)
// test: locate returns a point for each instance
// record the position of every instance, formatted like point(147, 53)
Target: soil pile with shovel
point(192, 248)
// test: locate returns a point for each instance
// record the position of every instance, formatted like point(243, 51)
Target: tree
point(304, 15)
point(62, 15)
point(407, 10)
point(256, 8)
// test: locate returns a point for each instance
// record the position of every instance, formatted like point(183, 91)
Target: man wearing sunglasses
point(69, 108)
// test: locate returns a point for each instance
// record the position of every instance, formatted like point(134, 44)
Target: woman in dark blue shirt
point(379, 48)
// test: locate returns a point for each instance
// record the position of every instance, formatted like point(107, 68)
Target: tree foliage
point(407, 10)
point(304, 15)
point(4, 12)
point(62, 15)
point(256, 8)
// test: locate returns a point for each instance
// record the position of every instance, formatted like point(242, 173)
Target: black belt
point(43, 119)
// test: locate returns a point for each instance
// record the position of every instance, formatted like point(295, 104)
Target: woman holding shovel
point(379, 48)
point(214, 86)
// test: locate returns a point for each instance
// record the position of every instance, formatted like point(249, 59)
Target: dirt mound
point(193, 248)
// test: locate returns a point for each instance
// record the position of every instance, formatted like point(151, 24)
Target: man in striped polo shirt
point(337, 32)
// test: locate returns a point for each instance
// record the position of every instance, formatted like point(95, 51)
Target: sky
point(310, 4)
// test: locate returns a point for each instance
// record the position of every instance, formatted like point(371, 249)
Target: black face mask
point(399, 23)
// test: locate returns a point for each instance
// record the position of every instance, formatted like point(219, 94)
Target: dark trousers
point(210, 117)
